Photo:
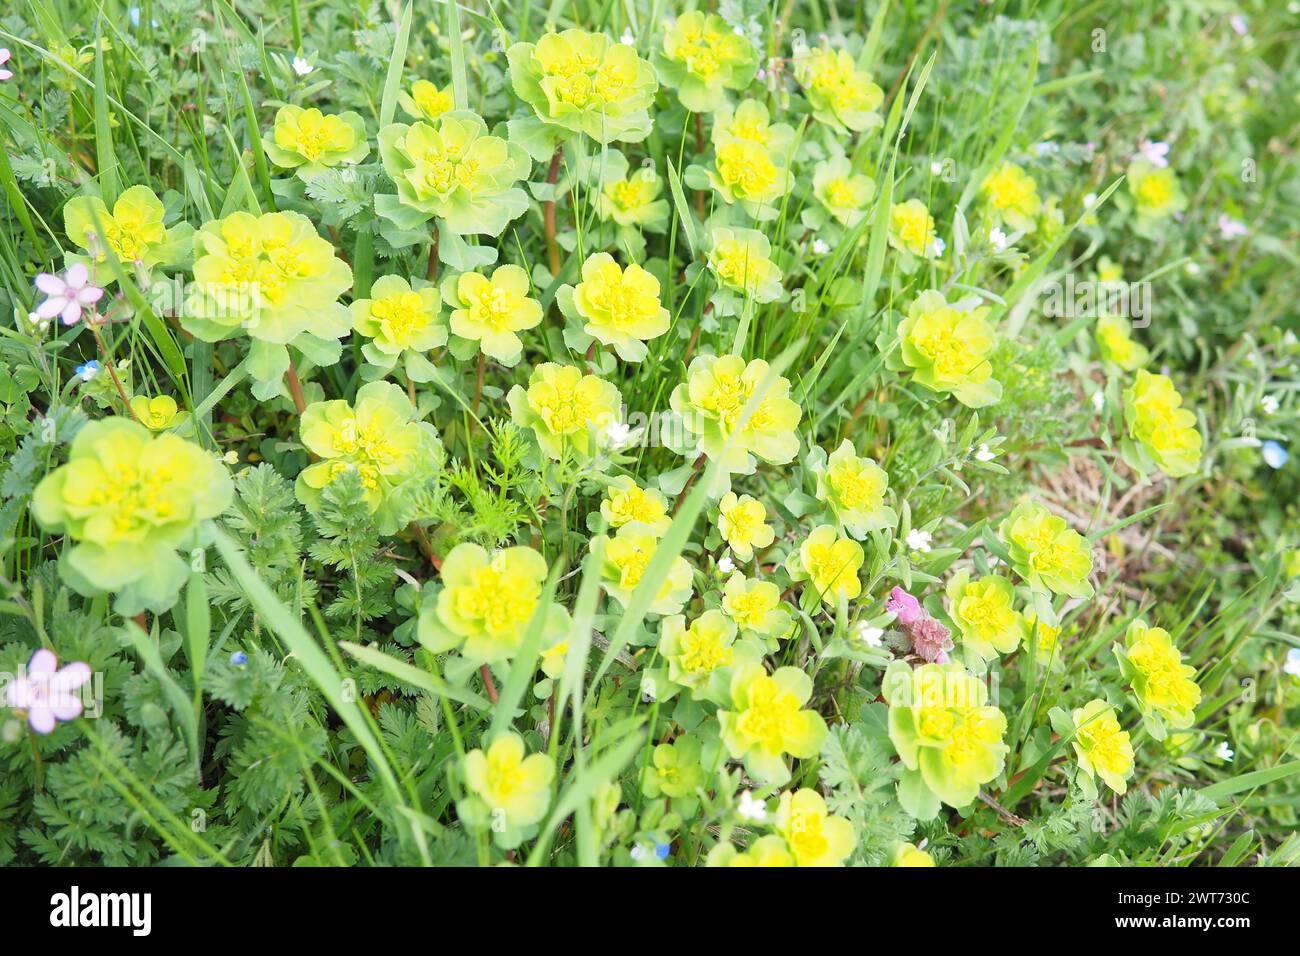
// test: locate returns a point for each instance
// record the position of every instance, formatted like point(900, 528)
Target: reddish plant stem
point(552, 248)
point(488, 683)
point(295, 388)
point(112, 371)
point(431, 271)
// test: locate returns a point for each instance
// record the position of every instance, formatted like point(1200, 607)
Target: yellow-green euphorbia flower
point(674, 770)
point(1155, 190)
point(585, 83)
point(425, 101)
point(378, 439)
point(400, 321)
point(693, 653)
point(630, 198)
point(982, 610)
point(1102, 747)
point(626, 501)
point(569, 412)
point(618, 307)
point(516, 788)
point(158, 413)
point(767, 851)
point(815, 835)
point(947, 347)
point(845, 194)
point(454, 170)
point(841, 95)
point(487, 602)
point(133, 231)
point(755, 606)
point(829, 564)
point(711, 400)
point(1165, 687)
point(765, 721)
point(626, 557)
point(1163, 429)
point(1046, 552)
point(1117, 345)
point(853, 488)
point(310, 141)
point(741, 260)
point(911, 229)
point(742, 522)
point(1012, 196)
point(129, 499)
point(749, 174)
point(946, 733)
point(909, 854)
point(751, 123)
point(493, 310)
point(272, 278)
point(1047, 635)
point(702, 58)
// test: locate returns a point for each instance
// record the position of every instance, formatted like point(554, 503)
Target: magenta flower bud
point(906, 608)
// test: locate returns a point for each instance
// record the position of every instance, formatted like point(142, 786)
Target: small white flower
point(871, 636)
point(639, 852)
point(617, 434)
point(1275, 454)
point(1156, 153)
point(1223, 751)
point(751, 808)
point(726, 565)
point(1292, 663)
point(627, 39)
point(821, 247)
point(1239, 26)
point(1099, 400)
point(938, 245)
point(1193, 269)
point(998, 238)
point(302, 66)
point(1089, 200)
point(936, 167)
point(984, 454)
point(1270, 404)
point(918, 540)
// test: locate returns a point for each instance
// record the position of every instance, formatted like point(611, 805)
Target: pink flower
point(46, 692)
point(67, 295)
point(906, 608)
point(1230, 228)
point(4, 58)
point(931, 640)
point(1154, 153)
